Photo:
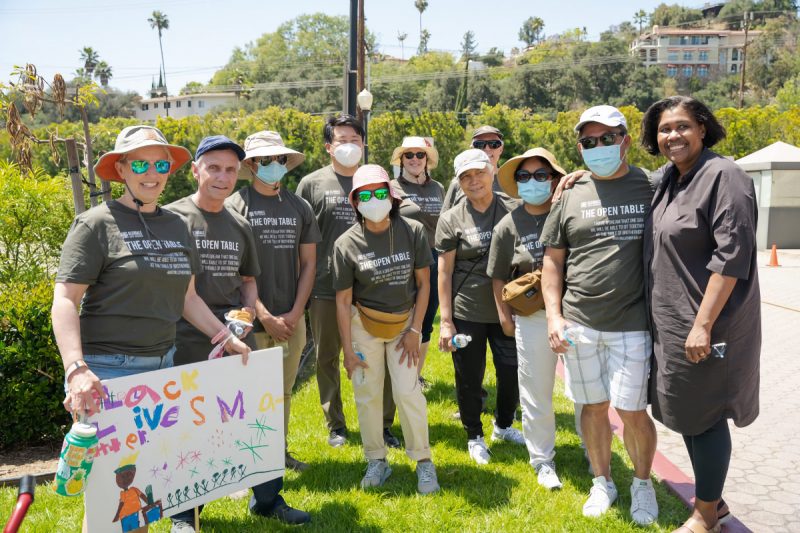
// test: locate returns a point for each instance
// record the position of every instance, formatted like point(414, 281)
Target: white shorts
point(613, 366)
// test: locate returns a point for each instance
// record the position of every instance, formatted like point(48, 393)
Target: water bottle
point(460, 340)
point(574, 335)
point(75, 462)
point(358, 373)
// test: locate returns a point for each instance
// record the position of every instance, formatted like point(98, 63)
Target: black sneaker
point(295, 464)
point(286, 514)
point(337, 437)
point(390, 440)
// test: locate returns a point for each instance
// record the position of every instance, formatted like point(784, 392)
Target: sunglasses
point(607, 139)
point(266, 160)
point(411, 155)
point(480, 145)
point(380, 194)
point(141, 166)
point(540, 174)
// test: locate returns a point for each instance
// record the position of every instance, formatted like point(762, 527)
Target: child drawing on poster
point(129, 505)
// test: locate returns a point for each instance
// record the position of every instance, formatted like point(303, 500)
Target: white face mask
point(374, 209)
point(348, 155)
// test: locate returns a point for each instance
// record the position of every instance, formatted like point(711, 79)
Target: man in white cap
point(490, 140)
point(327, 191)
point(593, 237)
point(286, 236)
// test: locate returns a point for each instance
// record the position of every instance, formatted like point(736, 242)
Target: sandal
point(723, 512)
point(693, 525)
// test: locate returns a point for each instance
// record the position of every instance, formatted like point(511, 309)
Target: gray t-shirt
point(137, 277)
point(428, 197)
point(455, 195)
point(327, 194)
point(600, 223)
point(280, 224)
point(515, 248)
point(380, 267)
point(469, 233)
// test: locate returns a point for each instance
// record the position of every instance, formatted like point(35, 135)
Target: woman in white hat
point(515, 251)
point(126, 276)
point(416, 157)
point(381, 277)
point(463, 236)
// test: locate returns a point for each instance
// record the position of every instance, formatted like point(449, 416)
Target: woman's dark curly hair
point(697, 109)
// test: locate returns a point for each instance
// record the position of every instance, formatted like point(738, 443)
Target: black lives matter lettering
point(621, 222)
point(218, 257)
point(161, 254)
point(280, 233)
point(392, 270)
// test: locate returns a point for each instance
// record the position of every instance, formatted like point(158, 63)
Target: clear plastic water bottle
point(76, 460)
point(574, 335)
point(358, 373)
point(460, 340)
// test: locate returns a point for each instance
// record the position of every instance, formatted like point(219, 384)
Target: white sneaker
point(509, 434)
point(546, 476)
point(478, 451)
point(427, 482)
point(601, 496)
point(378, 472)
point(644, 507)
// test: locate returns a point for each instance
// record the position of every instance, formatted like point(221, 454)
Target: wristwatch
point(72, 368)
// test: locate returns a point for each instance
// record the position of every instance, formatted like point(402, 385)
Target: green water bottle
point(75, 462)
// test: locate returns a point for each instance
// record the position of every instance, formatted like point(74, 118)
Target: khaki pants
point(328, 346)
point(292, 350)
point(381, 356)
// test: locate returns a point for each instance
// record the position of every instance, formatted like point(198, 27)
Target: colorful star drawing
point(167, 479)
point(194, 472)
point(183, 460)
point(210, 463)
point(252, 448)
point(227, 461)
point(195, 456)
point(261, 428)
point(154, 471)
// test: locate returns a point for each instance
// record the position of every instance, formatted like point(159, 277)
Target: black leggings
point(710, 453)
point(470, 365)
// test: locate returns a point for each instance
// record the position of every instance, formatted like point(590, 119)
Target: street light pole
point(746, 24)
point(364, 99)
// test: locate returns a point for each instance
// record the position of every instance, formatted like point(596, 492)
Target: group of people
point(644, 284)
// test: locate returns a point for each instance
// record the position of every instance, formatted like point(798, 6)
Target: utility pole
point(360, 67)
point(352, 64)
point(746, 22)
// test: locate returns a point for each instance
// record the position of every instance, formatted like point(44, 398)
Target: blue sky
point(202, 33)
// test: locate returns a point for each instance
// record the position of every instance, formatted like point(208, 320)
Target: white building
point(181, 105)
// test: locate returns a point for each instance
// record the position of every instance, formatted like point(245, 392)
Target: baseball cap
point(218, 142)
point(470, 159)
point(486, 129)
point(604, 114)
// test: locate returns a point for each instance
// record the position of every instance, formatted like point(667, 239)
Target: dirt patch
point(34, 460)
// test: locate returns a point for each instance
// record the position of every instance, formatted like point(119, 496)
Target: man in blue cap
point(227, 282)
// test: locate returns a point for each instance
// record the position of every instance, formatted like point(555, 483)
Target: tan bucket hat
point(416, 144)
point(266, 143)
point(505, 176)
point(132, 138)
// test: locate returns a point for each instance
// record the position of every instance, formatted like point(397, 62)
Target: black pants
point(710, 453)
point(470, 366)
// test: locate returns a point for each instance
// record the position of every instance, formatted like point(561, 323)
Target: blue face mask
point(535, 192)
point(603, 161)
point(271, 173)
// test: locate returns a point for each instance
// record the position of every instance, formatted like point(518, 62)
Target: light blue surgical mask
point(535, 192)
point(603, 161)
point(272, 173)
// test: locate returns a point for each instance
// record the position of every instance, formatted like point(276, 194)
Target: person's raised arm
point(552, 287)
point(447, 262)
point(200, 316)
point(567, 182)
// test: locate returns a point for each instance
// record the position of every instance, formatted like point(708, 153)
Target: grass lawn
point(501, 496)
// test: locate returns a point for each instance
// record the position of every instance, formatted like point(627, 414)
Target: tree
point(401, 37)
point(423, 42)
point(90, 58)
point(421, 6)
point(103, 73)
point(640, 17)
point(531, 31)
point(468, 46)
point(493, 58)
point(672, 15)
point(160, 22)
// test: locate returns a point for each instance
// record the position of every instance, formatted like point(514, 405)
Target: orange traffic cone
point(773, 257)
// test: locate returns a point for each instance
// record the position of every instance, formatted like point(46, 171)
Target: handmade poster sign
point(172, 439)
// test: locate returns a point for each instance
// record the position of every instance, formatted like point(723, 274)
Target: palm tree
point(640, 17)
point(90, 58)
point(423, 42)
point(160, 22)
point(401, 37)
point(103, 73)
point(421, 6)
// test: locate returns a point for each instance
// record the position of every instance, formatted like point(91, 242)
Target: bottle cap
point(80, 429)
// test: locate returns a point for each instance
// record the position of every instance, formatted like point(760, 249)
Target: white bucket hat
point(267, 143)
point(470, 159)
point(416, 144)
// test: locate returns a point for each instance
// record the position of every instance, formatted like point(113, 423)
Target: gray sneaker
point(427, 482)
point(546, 476)
point(378, 472)
point(295, 464)
point(337, 437)
point(181, 527)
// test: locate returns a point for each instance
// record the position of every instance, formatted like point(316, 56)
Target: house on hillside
point(181, 106)
point(688, 53)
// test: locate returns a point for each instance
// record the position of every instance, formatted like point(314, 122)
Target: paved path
point(763, 487)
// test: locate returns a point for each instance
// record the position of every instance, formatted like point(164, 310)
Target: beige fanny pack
point(381, 324)
point(524, 294)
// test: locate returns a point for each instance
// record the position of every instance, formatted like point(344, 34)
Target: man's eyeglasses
point(607, 139)
point(266, 160)
point(412, 155)
point(494, 144)
point(380, 194)
point(140, 166)
point(540, 174)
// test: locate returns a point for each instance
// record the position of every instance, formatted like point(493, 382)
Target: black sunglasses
point(540, 174)
point(607, 139)
point(411, 155)
point(267, 159)
point(480, 145)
